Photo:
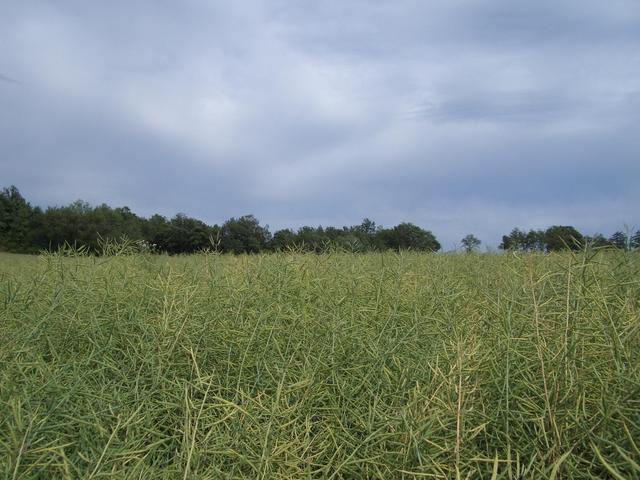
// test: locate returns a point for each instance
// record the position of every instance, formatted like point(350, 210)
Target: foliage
point(28, 229)
point(187, 235)
point(25, 229)
point(560, 237)
point(19, 222)
point(408, 236)
point(553, 239)
point(470, 243)
point(244, 235)
point(283, 240)
point(81, 224)
point(620, 240)
point(532, 241)
point(372, 366)
point(598, 241)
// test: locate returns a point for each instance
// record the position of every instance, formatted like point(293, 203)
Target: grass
point(320, 366)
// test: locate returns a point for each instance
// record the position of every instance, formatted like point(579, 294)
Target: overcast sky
point(459, 116)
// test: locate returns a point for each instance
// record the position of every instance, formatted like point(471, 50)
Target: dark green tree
point(366, 234)
point(157, 232)
point(80, 224)
point(516, 240)
point(19, 222)
point(619, 240)
point(312, 239)
point(561, 237)
point(596, 240)
point(367, 227)
point(283, 240)
point(470, 243)
point(187, 235)
point(244, 235)
point(407, 236)
point(69, 225)
point(534, 241)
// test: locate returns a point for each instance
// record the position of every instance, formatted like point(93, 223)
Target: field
point(320, 366)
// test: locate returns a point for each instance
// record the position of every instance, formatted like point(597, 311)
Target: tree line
point(566, 237)
point(28, 229)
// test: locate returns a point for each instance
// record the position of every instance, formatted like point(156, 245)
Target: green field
point(320, 366)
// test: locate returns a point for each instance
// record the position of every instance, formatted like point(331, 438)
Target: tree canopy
point(470, 243)
point(24, 228)
point(28, 229)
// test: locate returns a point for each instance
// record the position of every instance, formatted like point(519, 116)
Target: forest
point(25, 228)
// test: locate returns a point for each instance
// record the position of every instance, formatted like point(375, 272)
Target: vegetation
point(562, 237)
point(27, 229)
point(379, 365)
point(470, 243)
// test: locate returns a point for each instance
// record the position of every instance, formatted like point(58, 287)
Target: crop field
point(335, 365)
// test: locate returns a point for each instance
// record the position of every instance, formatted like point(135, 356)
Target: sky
point(473, 116)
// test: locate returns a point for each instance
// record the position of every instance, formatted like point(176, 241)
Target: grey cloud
point(473, 116)
point(4, 78)
point(408, 27)
point(503, 107)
